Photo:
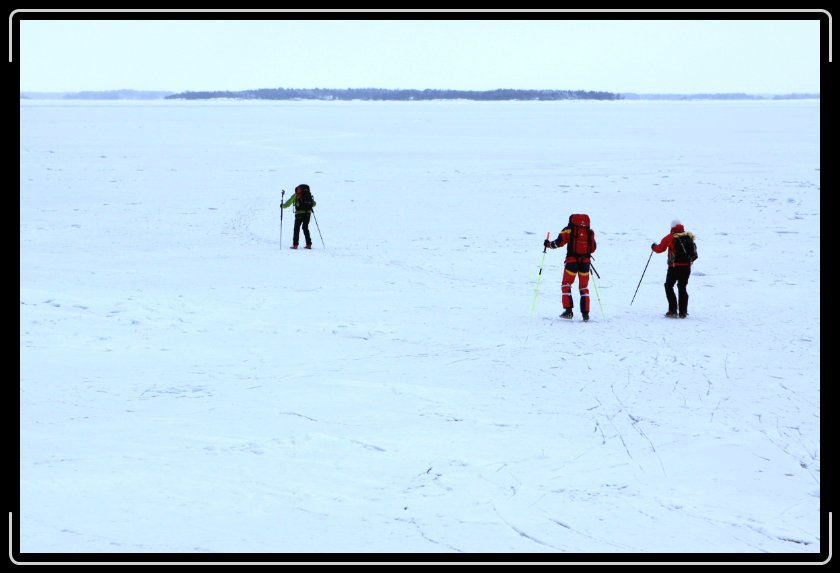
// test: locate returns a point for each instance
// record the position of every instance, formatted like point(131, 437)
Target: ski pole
point(539, 276)
point(598, 296)
point(640, 280)
point(282, 194)
point(319, 230)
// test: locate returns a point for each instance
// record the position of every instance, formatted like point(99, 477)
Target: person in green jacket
point(304, 202)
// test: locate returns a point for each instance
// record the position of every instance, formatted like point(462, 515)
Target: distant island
point(377, 94)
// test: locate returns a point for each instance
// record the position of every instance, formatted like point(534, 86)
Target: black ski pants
point(302, 220)
point(677, 276)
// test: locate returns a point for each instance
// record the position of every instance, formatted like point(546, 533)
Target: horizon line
point(113, 90)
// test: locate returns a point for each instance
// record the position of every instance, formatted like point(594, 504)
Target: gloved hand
point(652, 245)
point(547, 244)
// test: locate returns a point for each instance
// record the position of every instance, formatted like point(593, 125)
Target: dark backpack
point(685, 249)
point(580, 236)
point(305, 202)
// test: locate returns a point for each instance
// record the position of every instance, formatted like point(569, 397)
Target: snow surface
point(190, 385)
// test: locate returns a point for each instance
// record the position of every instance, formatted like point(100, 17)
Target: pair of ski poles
point(593, 281)
point(539, 276)
point(282, 195)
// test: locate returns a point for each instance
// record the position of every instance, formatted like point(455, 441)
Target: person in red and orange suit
point(579, 240)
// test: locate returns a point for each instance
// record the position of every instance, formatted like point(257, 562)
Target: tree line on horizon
point(402, 95)
point(396, 94)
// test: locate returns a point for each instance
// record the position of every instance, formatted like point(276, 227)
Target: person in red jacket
point(680, 259)
point(579, 241)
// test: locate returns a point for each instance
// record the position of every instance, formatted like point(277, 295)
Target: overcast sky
point(613, 53)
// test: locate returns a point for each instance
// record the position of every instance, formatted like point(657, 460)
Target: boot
point(585, 316)
point(308, 246)
point(293, 247)
point(567, 313)
point(671, 314)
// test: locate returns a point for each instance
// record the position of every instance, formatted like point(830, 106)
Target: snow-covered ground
point(190, 385)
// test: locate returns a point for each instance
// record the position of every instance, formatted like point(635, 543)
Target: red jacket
point(667, 242)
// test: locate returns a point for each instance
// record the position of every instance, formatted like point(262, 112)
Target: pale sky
point(350, 50)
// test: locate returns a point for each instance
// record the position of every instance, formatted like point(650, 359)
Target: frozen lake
point(190, 385)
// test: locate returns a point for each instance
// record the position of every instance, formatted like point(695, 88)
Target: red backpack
point(580, 236)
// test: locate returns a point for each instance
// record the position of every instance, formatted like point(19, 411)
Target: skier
point(579, 240)
point(682, 252)
point(304, 202)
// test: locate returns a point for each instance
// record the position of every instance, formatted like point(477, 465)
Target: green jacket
point(293, 200)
